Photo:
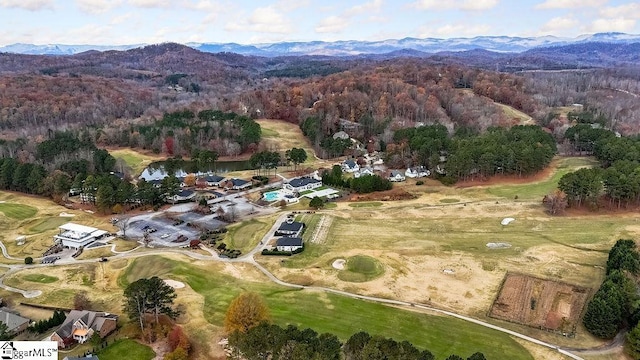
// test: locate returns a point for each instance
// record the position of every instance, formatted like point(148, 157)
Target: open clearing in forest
point(135, 160)
point(540, 303)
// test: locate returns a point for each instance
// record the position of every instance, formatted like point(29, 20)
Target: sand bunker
point(500, 245)
point(339, 264)
point(506, 221)
point(174, 284)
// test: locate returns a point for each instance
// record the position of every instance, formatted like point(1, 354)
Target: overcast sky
point(117, 22)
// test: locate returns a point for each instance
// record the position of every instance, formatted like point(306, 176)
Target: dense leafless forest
point(367, 96)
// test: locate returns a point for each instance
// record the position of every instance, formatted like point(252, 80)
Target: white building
point(290, 244)
point(303, 184)
point(75, 236)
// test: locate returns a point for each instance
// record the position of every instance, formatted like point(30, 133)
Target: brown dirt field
point(539, 303)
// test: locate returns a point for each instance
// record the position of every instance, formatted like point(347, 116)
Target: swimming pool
point(272, 195)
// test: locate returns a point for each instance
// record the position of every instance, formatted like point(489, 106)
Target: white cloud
point(476, 5)
point(97, 6)
point(617, 24)
point(369, 7)
point(290, 5)
point(332, 24)
point(120, 19)
point(203, 5)
point(570, 4)
point(631, 10)
point(149, 4)
point(559, 23)
point(464, 5)
point(432, 5)
point(338, 23)
point(32, 5)
point(264, 19)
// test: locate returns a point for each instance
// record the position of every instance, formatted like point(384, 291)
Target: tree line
point(615, 305)
point(519, 150)
point(618, 178)
point(362, 185)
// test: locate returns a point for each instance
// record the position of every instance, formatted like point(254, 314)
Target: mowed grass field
point(325, 312)
point(135, 160)
point(127, 349)
point(538, 189)
point(245, 236)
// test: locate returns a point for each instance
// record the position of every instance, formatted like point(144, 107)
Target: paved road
point(249, 258)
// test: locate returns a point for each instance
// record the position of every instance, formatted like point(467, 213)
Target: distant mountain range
point(413, 46)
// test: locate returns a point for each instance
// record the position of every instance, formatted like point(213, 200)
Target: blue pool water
point(271, 195)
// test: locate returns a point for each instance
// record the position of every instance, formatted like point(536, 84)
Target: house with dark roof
point(15, 323)
point(79, 326)
point(238, 184)
point(350, 166)
point(183, 195)
point(290, 228)
point(290, 244)
point(303, 184)
point(213, 180)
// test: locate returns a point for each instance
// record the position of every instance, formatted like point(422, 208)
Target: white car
point(164, 236)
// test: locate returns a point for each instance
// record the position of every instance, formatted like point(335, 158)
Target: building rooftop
point(289, 241)
point(11, 319)
point(293, 226)
point(298, 182)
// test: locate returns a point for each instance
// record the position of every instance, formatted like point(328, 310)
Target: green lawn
point(332, 313)
point(537, 190)
point(17, 211)
point(246, 235)
point(361, 268)
point(40, 278)
point(49, 223)
point(126, 349)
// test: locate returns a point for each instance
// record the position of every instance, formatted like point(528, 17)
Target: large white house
point(75, 236)
point(350, 166)
point(417, 172)
point(303, 184)
point(290, 244)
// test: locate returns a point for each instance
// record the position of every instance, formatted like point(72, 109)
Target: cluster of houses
point(204, 181)
point(352, 167)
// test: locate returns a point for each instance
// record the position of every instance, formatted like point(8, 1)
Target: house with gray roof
point(15, 323)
